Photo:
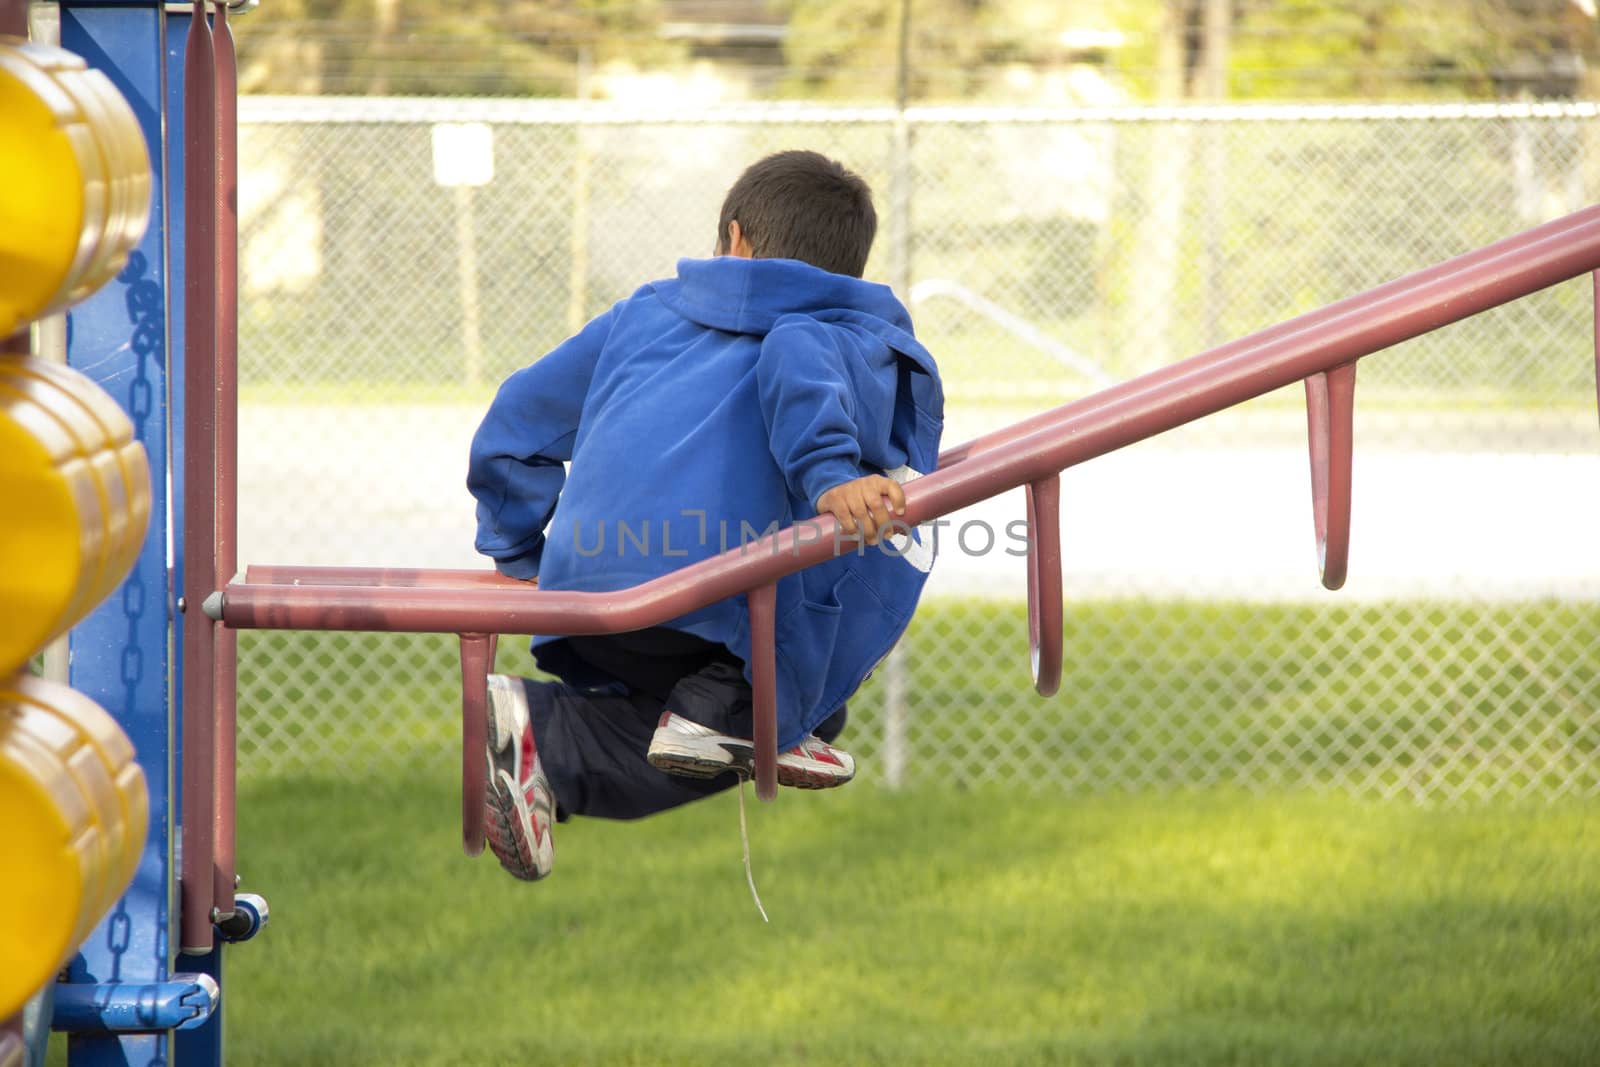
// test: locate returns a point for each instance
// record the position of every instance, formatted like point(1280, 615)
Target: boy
point(764, 386)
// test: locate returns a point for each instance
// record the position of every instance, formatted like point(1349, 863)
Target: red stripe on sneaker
point(824, 755)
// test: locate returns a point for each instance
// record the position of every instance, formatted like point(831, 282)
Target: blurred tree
point(500, 47)
point(1268, 49)
point(1372, 49)
point(958, 49)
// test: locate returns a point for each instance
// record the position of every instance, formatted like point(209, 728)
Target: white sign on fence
point(463, 153)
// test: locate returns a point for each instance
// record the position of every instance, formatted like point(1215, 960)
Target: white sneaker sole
point(707, 759)
point(507, 828)
point(507, 820)
point(699, 759)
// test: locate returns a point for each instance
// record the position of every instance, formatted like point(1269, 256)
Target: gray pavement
point(1216, 511)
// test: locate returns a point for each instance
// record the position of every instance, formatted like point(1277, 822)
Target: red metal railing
point(1319, 348)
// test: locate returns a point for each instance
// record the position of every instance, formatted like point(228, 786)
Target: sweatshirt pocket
point(806, 636)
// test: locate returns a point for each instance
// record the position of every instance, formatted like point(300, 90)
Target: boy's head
point(800, 205)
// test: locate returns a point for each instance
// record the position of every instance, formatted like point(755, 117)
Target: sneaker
point(681, 746)
point(519, 807)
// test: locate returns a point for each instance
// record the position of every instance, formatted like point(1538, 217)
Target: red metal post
point(226, 697)
point(199, 475)
point(764, 678)
point(1044, 583)
point(14, 18)
point(477, 659)
point(1330, 408)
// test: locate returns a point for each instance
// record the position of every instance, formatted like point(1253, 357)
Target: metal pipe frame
point(225, 695)
point(477, 660)
point(14, 18)
point(1029, 453)
point(284, 597)
point(1044, 584)
point(1330, 422)
point(1319, 340)
point(199, 474)
point(763, 603)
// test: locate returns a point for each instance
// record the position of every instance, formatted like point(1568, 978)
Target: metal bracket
point(249, 915)
point(477, 660)
point(183, 1002)
point(763, 601)
point(1044, 583)
point(1330, 405)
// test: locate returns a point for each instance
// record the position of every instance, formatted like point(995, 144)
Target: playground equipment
point(1319, 348)
point(76, 808)
point(71, 215)
point(121, 995)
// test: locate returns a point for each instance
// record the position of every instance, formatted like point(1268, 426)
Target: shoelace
point(744, 839)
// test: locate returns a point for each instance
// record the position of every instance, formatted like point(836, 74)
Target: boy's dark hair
point(802, 205)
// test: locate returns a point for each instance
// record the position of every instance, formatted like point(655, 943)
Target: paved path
point(1190, 516)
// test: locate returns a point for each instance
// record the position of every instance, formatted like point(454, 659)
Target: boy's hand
point(864, 504)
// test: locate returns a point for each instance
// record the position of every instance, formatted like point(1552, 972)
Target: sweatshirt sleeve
point(514, 470)
point(809, 402)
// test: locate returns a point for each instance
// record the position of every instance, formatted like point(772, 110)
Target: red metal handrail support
point(1319, 348)
point(201, 359)
point(210, 471)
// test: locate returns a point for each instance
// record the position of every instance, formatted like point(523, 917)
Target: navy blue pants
point(593, 736)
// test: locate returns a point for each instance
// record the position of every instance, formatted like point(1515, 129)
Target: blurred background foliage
point(996, 51)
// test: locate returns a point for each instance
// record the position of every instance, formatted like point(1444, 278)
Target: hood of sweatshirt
point(751, 295)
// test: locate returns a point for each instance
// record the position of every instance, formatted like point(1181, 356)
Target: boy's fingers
point(861, 516)
point(865, 507)
point(896, 495)
point(837, 503)
point(869, 528)
point(880, 514)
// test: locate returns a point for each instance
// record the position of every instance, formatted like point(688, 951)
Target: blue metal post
point(119, 655)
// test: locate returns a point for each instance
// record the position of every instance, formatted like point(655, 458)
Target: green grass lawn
point(1074, 880)
point(924, 927)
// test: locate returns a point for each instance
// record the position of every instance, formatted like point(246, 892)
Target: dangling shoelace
point(744, 839)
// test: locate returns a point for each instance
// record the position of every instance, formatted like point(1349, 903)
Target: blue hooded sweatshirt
point(698, 413)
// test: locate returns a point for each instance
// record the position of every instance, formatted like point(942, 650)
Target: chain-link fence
point(1042, 254)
